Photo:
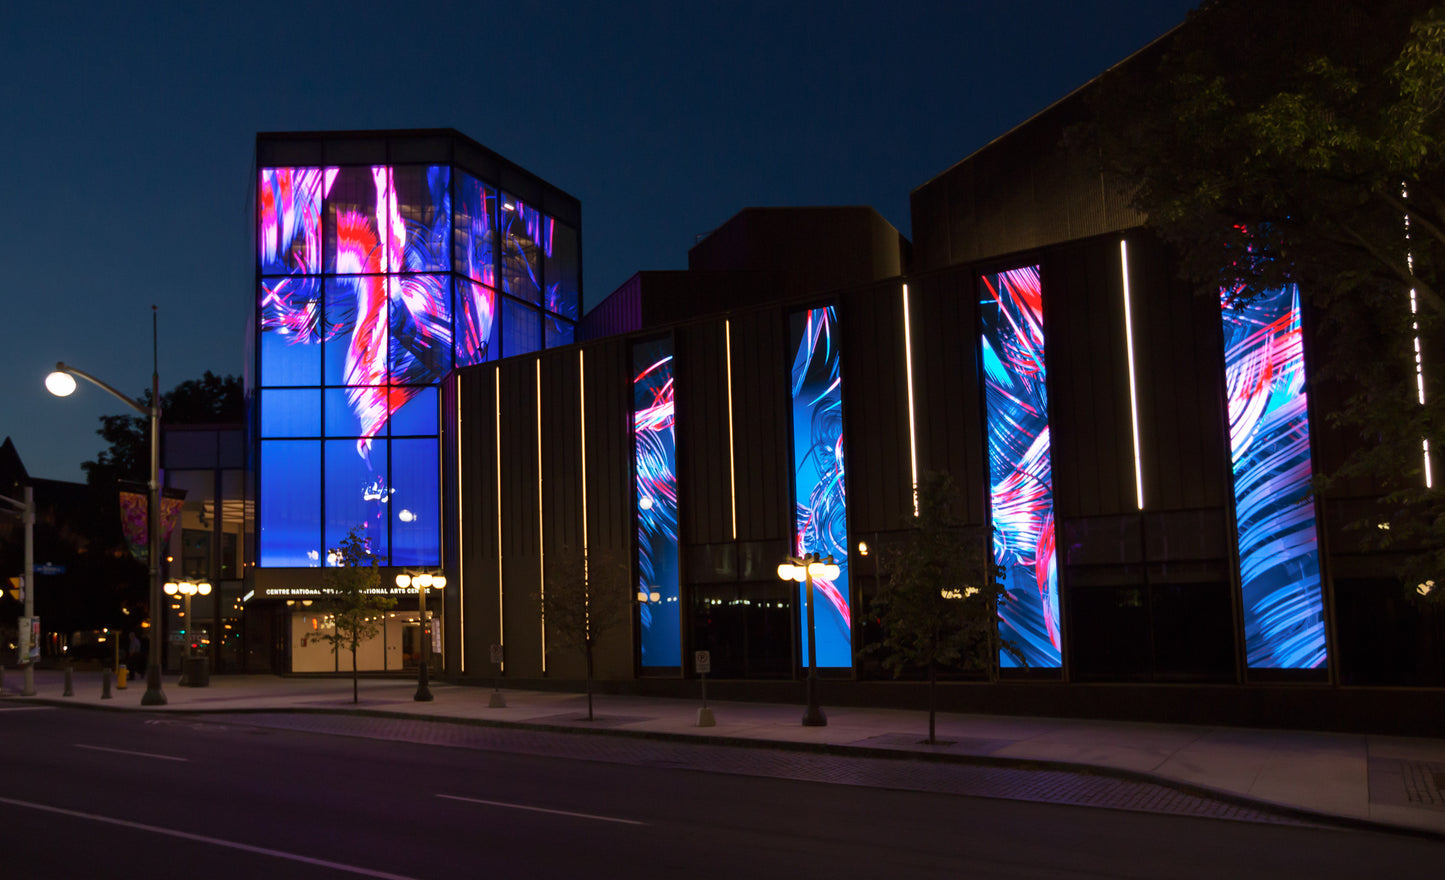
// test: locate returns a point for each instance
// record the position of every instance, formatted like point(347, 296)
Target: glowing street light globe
point(60, 383)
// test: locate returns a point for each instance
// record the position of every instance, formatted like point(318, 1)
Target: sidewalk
point(1362, 779)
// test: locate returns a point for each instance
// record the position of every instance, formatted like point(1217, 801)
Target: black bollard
point(69, 685)
point(105, 684)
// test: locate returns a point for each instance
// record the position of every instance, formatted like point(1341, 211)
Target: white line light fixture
point(1133, 383)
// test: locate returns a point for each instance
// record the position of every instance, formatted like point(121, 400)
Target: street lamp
point(61, 383)
point(187, 589)
point(423, 581)
point(803, 569)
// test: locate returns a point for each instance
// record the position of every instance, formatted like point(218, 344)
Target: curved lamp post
point(803, 569)
point(423, 582)
point(61, 383)
point(187, 589)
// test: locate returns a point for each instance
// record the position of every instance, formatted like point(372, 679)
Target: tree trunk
point(932, 699)
point(589, 679)
point(354, 690)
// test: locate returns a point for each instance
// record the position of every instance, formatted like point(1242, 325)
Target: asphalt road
point(98, 795)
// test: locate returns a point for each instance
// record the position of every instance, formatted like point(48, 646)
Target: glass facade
point(820, 491)
point(1021, 492)
point(1269, 436)
point(655, 492)
point(374, 281)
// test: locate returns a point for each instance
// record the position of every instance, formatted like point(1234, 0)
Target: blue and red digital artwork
point(1269, 435)
point(655, 475)
point(821, 498)
point(377, 327)
point(1021, 489)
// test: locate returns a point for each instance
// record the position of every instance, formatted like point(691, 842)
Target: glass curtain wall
point(373, 282)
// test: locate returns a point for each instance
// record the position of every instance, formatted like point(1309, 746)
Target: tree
point(208, 400)
point(939, 606)
point(586, 596)
point(1299, 142)
point(354, 597)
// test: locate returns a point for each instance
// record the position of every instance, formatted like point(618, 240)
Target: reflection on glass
point(521, 256)
point(476, 234)
point(476, 313)
point(521, 328)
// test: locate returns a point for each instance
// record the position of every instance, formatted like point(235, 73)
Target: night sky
point(129, 138)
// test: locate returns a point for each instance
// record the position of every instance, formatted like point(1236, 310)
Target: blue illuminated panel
point(290, 533)
point(1021, 489)
point(1269, 434)
point(655, 490)
point(290, 310)
point(559, 245)
point(415, 506)
point(821, 512)
point(357, 492)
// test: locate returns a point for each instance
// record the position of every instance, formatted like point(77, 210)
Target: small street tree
point(586, 596)
point(355, 600)
point(939, 606)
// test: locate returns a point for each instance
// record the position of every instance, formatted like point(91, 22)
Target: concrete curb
point(1283, 811)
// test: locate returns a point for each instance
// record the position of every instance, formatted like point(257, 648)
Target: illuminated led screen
point(1021, 489)
point(374, 281)
point(655, 475)
point(821, 500)
point(1269, 435)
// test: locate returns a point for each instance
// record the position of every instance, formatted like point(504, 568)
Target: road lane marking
point(201, 838)
point(127, 752)
point(452, 797)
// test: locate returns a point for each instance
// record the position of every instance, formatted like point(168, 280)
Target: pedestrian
point(133, 655)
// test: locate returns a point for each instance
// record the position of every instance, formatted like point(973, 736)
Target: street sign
point(496, 654)
point(702, 662)
point(49, 568)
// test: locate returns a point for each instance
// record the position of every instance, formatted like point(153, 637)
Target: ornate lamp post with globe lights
point(803, 569)
point(187, 589)
point(423, 582)
point(61, 383)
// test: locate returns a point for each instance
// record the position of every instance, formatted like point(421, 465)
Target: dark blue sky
point(128, 139)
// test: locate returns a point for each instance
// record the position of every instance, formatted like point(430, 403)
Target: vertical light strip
point(912, 432)
point(1419, 357)
point(1133, 385)
point(732, 456)
point(501, 612)
point(541, 530)
point(582, 412)
point(461, 568)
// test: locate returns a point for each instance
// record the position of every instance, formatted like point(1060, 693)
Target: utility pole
point(26, 509)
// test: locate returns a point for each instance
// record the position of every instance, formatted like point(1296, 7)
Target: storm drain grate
point(1424, 783)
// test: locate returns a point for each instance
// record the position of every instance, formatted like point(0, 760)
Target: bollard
point(120, 676)
point(2, 678)
point(69, 685)
point(498, 700)
point(105, 684)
